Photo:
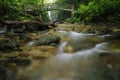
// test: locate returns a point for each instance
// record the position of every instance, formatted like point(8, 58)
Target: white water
point(3, 30)
point(76, 66)
point(85, 64)
point(61, 46)
point(76, 34)
point(52, 15)
point(31, 43)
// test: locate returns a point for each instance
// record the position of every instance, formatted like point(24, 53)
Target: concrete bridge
point(48, 7)
point(55, 6)
point(51, 7)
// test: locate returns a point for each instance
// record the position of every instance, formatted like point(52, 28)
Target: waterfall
point(49, 14)
point(52, 15)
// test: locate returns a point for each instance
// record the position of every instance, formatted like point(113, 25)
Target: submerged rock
point(82, 43)
point(47, 40)
point(42, 52)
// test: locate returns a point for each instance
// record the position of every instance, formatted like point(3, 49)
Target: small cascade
point(80, 65)
point(31, 43)
point(104, 36)
point(102, 47)
point(61, 46)
point(3, 30)
point(86, 63)
point(52, 15)
point(75, 66)
point(76, 34)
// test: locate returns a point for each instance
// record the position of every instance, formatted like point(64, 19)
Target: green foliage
point(100, 11)
point(85, 10)
point(15, 9)
point(64, 14)
point(19, 4)
point(73, 2)
point(73, 20)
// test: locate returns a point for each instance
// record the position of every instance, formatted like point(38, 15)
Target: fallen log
point(27, 23)
point(35, 25)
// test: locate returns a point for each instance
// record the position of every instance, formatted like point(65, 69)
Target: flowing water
point(52, 15)
point(92, 59)
point(3, 30)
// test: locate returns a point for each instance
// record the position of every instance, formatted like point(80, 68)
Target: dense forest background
point(84, 10)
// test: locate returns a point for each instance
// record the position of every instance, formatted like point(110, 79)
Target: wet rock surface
point(17, 58)
point(34, 62)
point(47, 40)
point(9, 44)
point(97, 29)
point(43, 52)
point(82, 43)
point(9, 63)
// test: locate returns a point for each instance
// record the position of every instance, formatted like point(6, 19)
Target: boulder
point(47, 40)
point(82, 44)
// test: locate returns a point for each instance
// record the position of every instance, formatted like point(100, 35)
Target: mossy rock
point(47, 40)
point(9, 44)
point(20, 59)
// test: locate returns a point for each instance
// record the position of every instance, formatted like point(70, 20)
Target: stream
point(80, 57)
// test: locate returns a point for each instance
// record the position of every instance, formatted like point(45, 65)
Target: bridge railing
point(52, 6)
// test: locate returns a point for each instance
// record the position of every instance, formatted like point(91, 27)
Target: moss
point(47, 40)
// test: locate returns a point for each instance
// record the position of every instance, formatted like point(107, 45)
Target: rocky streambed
point(35, 56)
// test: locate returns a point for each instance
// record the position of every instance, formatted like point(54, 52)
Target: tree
point(98, 11)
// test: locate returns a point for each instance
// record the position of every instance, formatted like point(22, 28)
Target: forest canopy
point(95, 10)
